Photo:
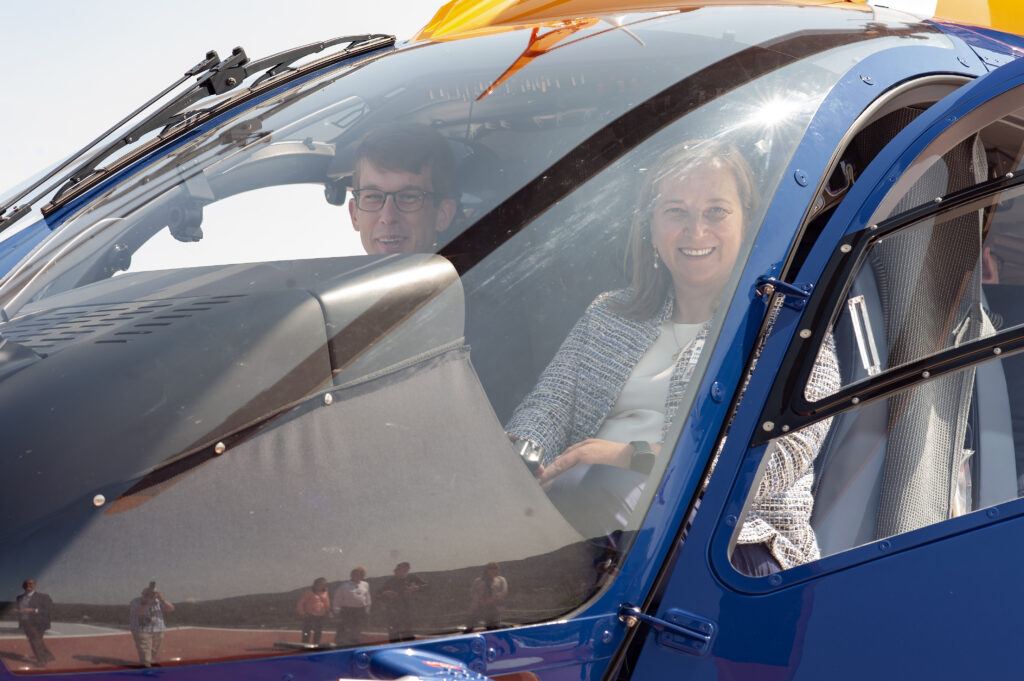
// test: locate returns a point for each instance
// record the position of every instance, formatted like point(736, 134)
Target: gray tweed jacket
point(577, 390)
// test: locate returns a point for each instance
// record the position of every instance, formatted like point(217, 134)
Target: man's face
point(390, 230)
point(29, 585)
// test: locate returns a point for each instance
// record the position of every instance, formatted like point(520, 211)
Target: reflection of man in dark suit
point(33, 608)
point(397, 596)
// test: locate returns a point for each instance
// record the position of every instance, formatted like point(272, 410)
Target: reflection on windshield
point(287, 385)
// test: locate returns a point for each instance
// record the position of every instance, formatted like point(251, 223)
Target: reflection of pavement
point(63, 629)
point(83, 647)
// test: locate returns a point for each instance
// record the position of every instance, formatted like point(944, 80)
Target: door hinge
point(679, 629)
point(795, 295)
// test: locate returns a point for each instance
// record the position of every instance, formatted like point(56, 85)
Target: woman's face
point(697, 228)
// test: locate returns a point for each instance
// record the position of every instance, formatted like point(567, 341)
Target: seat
point(893, 466)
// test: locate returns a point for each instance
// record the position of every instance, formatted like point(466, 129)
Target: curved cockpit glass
point(306, 342)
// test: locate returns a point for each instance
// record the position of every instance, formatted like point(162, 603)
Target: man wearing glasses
point(402, 190)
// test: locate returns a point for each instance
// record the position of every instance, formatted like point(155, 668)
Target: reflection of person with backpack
point(34, 608)
point(397, 596)
point(487, 597)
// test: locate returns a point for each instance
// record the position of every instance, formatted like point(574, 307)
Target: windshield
point(331, 335)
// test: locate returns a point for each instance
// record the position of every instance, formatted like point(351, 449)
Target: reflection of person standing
point(33, 608)
point(314, 606)
point(397, 595)
point(351, 606)
point(487, 597)
point(146, 621)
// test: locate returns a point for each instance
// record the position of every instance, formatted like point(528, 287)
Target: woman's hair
point(319, 581)
point(650, 286)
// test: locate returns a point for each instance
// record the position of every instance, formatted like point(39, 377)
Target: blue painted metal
point(994, 48)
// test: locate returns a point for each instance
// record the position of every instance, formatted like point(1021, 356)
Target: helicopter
point(286, 352)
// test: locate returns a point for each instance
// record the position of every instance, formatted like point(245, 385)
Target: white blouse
point(639, 411)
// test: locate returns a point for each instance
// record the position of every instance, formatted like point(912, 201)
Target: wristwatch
point(529, 451)
point(642, 458)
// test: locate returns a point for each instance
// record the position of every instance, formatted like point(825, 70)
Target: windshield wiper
point(216, 77)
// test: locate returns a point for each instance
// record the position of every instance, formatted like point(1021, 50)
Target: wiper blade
point(216, 77)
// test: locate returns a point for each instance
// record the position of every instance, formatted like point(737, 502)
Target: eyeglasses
point(405, 200)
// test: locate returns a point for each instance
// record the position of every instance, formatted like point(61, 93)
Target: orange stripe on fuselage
point(1004, 15)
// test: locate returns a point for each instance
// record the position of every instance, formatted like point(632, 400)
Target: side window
point(922, 337)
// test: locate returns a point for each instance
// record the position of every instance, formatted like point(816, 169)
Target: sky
point(73, 68)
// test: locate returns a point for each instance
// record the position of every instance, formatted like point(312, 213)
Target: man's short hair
point(409, 147)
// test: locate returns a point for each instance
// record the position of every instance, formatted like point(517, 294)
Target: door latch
point(679, 629)
point(796, 295)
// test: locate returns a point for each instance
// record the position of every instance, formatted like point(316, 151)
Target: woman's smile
point(697, 230)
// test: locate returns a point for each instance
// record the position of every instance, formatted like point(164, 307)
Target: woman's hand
point(588, 451)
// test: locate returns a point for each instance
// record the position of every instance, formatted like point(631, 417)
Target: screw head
point(328, 400)
point(99, 500)
point(220, 448)
point(800, 177)
point(768, 426)
point(717, 393)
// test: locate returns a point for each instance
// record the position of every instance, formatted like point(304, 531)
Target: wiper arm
point(7, 220)
point(216, 77)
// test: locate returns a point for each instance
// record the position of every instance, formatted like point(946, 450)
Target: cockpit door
point(918, 284)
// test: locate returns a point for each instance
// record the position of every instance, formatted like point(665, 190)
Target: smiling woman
point(687, 232)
